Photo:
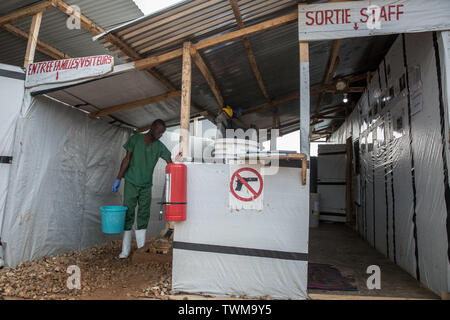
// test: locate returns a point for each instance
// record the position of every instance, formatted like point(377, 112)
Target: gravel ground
point(103, 276)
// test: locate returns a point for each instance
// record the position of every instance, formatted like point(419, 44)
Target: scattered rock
point(99, 268)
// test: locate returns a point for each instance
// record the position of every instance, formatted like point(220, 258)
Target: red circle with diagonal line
point(237, 175)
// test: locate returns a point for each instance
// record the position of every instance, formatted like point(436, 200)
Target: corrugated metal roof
point(194, 20)
point(54, 31)
point(276, 53)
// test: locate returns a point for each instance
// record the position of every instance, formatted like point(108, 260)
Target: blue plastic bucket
point(113, 219)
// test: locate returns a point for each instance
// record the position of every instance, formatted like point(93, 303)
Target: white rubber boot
point(126, 245)
point(140, 238)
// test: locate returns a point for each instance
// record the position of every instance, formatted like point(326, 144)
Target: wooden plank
point(329, 111)
point(134, 104)
point(27, 12)
point(185, 111)
point(331, 88)
point(86, 23)
point(154, 61)
point(41, 46)
point(32, 39)
point(254, 66)
point(273, 103)
point(176, 122)
point(319, 137)
point(331, 68)
point(95, 29)
point(331, 117)
point(215, 41)
point(208, 76)
point(166, 82)
point(296, 156)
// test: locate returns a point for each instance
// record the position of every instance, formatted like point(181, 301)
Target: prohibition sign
point(237, 175)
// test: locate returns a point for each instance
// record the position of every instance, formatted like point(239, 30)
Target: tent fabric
point(444, 46)
point(222, 252)
point(64, 166)
point(402, 126)
point(63, 169)
point(11, 91)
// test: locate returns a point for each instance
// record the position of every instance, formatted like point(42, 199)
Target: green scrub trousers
point(134, 195)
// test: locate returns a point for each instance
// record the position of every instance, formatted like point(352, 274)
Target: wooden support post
point(185, 100)
point(33, 39)
point(28, 11)
point(304, 98)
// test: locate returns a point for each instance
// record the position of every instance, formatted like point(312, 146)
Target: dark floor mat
point(327, 277)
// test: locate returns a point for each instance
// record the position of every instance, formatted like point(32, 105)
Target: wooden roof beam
point(274, 103)
point(198, 60)
point(95, 30)
point(329, 111)
point(331, 68)
point(28, 11)
point(154, 61)
point(331, 117)
point(249, 49)
point(41, 46)
point(134, 104)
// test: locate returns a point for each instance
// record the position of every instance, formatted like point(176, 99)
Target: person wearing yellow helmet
point(228, 110)
point(223, 121)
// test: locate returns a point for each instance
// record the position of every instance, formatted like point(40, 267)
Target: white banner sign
point(246, 188)
point(57, 71)
point(369, 18)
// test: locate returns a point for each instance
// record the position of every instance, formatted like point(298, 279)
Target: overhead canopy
point(273, 52)
point(54, 31)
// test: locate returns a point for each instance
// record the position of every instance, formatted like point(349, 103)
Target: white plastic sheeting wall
point(277, 236)
point(401, 124)
point(63, 169)
point(64, 165)
point(11, 93)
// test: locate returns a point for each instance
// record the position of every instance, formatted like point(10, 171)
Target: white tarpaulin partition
point(62, 171)
point(444, 45)
point(404, 159)
point(64, 166)
point(351, 19)
point(11, 91)
point(245, 253)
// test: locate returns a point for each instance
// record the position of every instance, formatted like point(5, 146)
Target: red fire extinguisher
point(176, 185)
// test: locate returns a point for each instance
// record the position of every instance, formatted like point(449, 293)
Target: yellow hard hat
point(228, 110)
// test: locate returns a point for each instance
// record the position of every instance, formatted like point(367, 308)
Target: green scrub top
point(143, 160)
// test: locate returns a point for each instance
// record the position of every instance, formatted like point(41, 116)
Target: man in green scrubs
point(143, 152)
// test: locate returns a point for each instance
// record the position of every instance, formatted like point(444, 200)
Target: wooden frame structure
point(149, 63)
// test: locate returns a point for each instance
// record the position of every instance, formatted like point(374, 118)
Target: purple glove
point(116, 185)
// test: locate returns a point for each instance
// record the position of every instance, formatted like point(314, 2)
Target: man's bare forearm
point(124, 166)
